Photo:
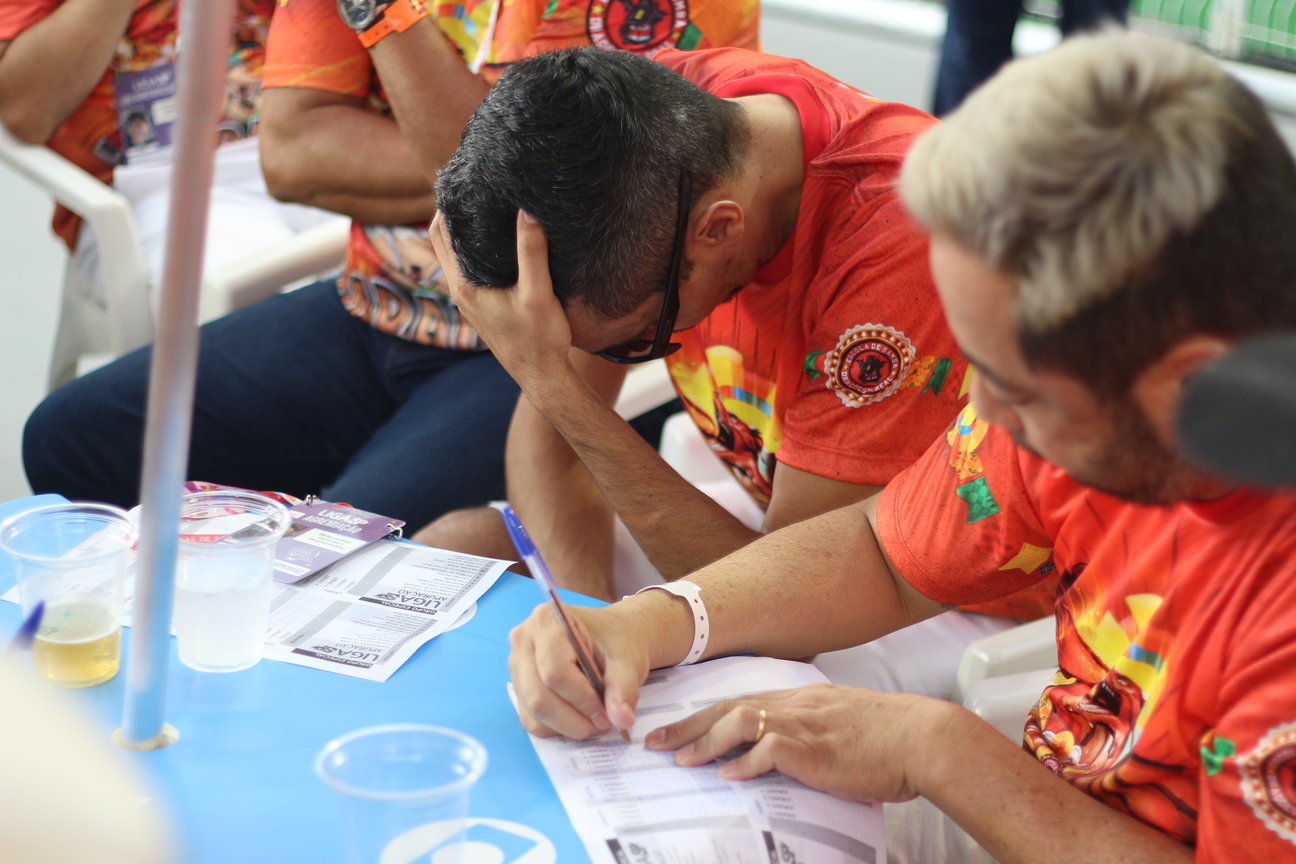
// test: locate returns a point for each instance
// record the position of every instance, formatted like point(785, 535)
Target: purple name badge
point(146, 110)
point(323, 533)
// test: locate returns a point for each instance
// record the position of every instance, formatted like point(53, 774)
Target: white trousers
point(921, 659)
point(243, 217)
point(918, 833)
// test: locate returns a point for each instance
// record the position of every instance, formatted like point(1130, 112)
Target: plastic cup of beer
point(73, 557)
point(223, 578)
point(403, 790)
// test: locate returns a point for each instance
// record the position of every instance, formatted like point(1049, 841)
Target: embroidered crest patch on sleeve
point(1269, 780)
point(869, 363)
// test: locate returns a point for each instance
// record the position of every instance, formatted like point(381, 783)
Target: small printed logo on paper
point(345, 653)
point(868, 364)
point(1269, 781)
point(410, 601)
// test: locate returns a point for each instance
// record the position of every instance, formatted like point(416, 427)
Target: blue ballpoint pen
point(26, 634)
point(531, 556)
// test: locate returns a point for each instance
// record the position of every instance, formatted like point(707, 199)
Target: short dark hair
point(593, 144)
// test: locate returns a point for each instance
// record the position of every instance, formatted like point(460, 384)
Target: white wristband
point(701, 626)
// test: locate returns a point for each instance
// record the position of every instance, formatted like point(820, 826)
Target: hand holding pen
point(531, 555)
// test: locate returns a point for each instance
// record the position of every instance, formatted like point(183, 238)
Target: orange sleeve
point(309, 46)
point(515, 30)
point(1247, 811)
point(17, 15)
point(870, 299)
point(963, 526)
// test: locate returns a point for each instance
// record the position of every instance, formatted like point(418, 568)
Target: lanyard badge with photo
point(146, 112)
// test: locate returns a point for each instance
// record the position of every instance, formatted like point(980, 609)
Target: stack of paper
point(631, 805)
point(367, 614)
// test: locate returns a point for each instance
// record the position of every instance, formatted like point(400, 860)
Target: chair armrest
point(109, 216)
point(684, 448)
point(1029, 647)
point(263, 274)
point(647, 386)
point(1005, 701)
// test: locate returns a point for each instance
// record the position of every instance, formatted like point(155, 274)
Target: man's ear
point(720, 224)
point(1159, 388)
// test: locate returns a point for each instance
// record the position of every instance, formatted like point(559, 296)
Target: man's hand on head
point(524, 325)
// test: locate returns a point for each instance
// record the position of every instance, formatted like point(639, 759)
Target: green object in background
point(1268, 27)
point(1191, 16)
point(1264, 30)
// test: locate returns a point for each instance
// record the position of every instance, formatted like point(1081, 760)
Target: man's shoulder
point(310, 46)
point(712, 68)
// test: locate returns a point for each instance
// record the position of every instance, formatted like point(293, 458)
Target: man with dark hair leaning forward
point(747, 201)
point(1106, 219)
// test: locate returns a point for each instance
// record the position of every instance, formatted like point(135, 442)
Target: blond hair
point(1071, 171)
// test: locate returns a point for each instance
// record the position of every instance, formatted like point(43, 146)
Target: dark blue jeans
point(978, 40)
point(295, 395)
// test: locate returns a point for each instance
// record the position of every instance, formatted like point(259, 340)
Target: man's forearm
point(679, 527)
point(560, 504)
point(1019, 810)
point(819, 585)
point(49, 69)
point(431, 90)
point(328, 150)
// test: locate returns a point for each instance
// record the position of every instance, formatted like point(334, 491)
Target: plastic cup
point(223, 579)
point(403, 791)
point(73, 557)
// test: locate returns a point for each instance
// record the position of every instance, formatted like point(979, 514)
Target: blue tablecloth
point(240, 779)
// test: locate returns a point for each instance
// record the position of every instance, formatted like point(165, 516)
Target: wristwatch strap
point(396, 18)
point(701, 624)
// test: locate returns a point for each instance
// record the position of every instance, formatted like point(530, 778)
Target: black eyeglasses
point(642, 350)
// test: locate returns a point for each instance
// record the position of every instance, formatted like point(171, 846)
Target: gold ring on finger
point(760, 727)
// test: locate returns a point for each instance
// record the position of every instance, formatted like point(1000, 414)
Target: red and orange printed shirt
point(91, 138)
point(1175, 697)
point(836, 359)
point(392, 279)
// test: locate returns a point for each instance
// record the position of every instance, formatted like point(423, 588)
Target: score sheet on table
point(631, 805)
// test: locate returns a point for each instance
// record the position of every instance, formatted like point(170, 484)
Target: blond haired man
point(1106, 220)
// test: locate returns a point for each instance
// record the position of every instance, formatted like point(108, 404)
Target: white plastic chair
point(90, 334)
point(1002, 676)
point(647, 386)
point(264, 273)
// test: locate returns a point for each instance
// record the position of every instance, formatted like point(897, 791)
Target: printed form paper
point(631, 805)
point(367, 614)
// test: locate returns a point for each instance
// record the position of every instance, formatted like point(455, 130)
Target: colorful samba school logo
point(643, 26)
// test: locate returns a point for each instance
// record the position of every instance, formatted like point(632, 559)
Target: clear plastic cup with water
point(403, 791)
point(73, 557)
point(223, 578)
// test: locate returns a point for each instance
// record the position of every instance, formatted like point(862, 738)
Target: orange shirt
point(1175, 700)
point(91, 136)
point(836, 359)
point(392, 278)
